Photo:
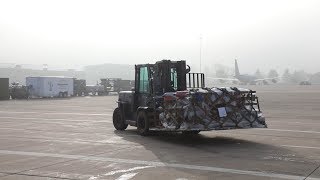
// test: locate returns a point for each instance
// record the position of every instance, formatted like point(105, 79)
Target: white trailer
point(50, 86)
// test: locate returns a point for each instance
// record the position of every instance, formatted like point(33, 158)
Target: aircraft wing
point(274, 80)
point(223, 79)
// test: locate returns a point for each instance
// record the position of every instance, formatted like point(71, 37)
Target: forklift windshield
point(144, 80)
point(174, 79)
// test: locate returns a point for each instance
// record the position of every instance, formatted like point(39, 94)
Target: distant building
point(95, 72)
point(19, 74)
point(315, 78)
point(92, 74)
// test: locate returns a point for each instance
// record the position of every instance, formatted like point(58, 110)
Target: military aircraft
point(245, 78)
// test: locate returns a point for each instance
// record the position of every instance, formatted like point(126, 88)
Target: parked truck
point(116, 85)
point(79, 87)
point(122, 85)
point(50, 86)
point(4, 89)
point(18, 91)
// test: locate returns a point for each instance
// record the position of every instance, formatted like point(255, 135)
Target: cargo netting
point(211, 109)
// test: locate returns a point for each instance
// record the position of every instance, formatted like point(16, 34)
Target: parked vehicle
point(116, 85)
point(95, 90)
point(4, 89)
point(18, 91)
point(305, 83)
point(79, 87)
point(50, 86)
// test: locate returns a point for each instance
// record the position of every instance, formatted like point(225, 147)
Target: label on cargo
point(222, 112)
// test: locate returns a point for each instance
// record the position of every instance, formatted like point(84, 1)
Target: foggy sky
point(260, 34)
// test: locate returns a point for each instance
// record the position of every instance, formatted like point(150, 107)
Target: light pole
point(200, 51)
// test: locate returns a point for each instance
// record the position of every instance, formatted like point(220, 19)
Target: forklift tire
point(190, 132)
point(142, 123)
point(118, 122)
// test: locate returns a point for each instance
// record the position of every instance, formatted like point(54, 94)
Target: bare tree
point(273, 73)
point(315, 78)
point(222, 71)
point(286, 77)
point(299, 76)
point(258, 74)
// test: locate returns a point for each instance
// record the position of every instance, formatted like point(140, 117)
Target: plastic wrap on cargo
point(209, 109)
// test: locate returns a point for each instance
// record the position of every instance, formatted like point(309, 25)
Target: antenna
point(200, 51)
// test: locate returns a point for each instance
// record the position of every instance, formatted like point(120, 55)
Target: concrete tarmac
point(74, 139)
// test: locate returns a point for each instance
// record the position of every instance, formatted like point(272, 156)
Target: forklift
point(142, 106)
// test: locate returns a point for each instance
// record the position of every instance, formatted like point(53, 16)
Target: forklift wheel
point(118, 122)
point(142, 123)
point(190, 132)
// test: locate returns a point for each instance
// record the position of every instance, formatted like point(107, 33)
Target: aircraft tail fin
point(236, 68)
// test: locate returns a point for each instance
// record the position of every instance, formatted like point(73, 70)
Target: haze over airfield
point(260, 34)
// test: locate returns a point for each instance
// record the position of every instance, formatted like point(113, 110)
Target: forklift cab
point(161, 77)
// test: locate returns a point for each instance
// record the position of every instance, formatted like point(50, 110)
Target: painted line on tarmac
point(157, 164)
point(47, 131)
point(306, 147)
point(295, 122)
point(45, 120)
point(67, 140)
point(111, 173)
point(67, 106)
point(29, 112)
point(127, 176)
point(57, 105)
point(289, 130)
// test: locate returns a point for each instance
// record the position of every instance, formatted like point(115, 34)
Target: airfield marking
point(307, 147)
point(127, 176)
point(70, 120)
point(67, 140)
point(157, 164)
point(295, 122)
point(29, 112)
point(39, 130)
point(289, 130)
point(60, 106)
point(111, 173)
point(105, 142)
